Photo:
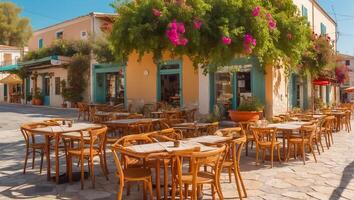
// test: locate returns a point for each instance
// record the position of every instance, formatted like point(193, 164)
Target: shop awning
point(321, 82)
point(11, 79)
point(349, 89)
point(9, 68)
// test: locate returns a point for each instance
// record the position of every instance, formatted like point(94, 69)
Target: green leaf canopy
point(277, 31)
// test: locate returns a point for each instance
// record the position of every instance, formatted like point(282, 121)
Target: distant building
point(347, 61)
point(9, 56)
point(104, 80)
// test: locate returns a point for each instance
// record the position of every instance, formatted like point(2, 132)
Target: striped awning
point(11, 79)
point(9, 68)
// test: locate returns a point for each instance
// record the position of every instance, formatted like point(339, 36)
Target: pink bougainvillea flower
point(249, 43)
point(256, 11)
point(197, 24)
point(180, 28)
point(269, 16)
point(183, 41)
point(226, 40)
point(156, 12)
point(175, 33)
point(272, 24)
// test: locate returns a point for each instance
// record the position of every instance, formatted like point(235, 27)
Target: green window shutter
point(304, 11)
point(305, 94)
point(323, 29)
point(258, 82)
point(5, 90)
point(290, 91)
point(40, 43)
point(328, 93)
point(211, 91)
point(294, 90)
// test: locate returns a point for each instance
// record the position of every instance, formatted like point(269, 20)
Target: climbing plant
point(211, 32)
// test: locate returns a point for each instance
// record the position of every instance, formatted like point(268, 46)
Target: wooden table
point(54, 132)
point(287, 129)
point(198, 127)
point(144, 150)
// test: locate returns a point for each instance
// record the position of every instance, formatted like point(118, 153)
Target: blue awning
point(9, 68)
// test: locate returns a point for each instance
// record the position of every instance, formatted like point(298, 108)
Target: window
point(323, 29)
point(40, 43)
point(347, 62)
point(83, 35)
point(57, 85)
point(304, 11)
point(59, 34)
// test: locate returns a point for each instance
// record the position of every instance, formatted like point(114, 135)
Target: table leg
point(47, 153)
point(284, 146)
point(158, 195)
point(56, 149)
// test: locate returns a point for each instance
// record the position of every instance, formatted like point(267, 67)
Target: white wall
point(204, 92)
point(55, 100)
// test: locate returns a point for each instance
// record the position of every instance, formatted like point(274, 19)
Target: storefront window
point(223, 90)
point(115, 87)
point(243, 87)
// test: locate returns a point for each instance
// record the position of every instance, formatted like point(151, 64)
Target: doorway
point(170, 84)
point(46, 91)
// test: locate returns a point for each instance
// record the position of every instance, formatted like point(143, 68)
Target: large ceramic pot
point(243, 116)
point(37, 102)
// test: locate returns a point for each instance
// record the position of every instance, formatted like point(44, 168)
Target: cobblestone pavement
point(330, 178)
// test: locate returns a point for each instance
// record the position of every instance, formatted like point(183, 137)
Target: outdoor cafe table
point(103, 116)
point(144, 150)
point(199, 127)
point(287, 128)
point(54, 132)
point(123, 124)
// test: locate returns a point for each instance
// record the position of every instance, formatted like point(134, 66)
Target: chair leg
point(93, 178)
point(120, 189)
point(41, 166)
point(303, 153)
point(149, 185)
point(165, 180)
point(33, 157)
point(237, 184)
point(272, 155)
point(246, 148)
point(279, 159)
point(213, 191)
point(82, 173)
point(257, 152)
point(288, 152)
point(229, 170)
point(241, 181)
point(70, 169)
point(26, 158)
point(103, 167)
point(318, 148)
point(313, 153)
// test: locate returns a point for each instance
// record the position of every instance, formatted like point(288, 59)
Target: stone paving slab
point(330, 178)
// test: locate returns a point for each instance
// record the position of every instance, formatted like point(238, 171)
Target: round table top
point(76, 127)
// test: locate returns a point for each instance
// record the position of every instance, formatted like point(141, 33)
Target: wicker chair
point(83, 110)
point(92, 143)
point(307, 133)
point(31, 143)
point(195, 177)
point(266, 139)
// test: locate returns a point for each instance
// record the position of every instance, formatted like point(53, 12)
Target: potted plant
point(37, 98)
point(248, 110)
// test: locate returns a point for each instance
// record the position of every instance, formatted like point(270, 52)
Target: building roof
point(97, 14)
point(6, 47)
point(324, 11)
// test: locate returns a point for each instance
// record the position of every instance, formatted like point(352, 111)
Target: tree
point(14, 30)
point(212, 32)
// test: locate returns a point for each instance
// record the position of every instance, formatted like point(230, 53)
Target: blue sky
point(47, 12)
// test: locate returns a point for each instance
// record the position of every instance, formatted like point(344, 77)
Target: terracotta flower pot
point(242, 116)
point(37, 102)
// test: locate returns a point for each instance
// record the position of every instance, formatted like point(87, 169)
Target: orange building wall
point(143, 88)
point(72, 31)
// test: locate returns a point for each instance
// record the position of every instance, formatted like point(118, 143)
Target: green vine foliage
point(79, 51)
point(61, 48)
point(319, 59)
point(138, 29)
